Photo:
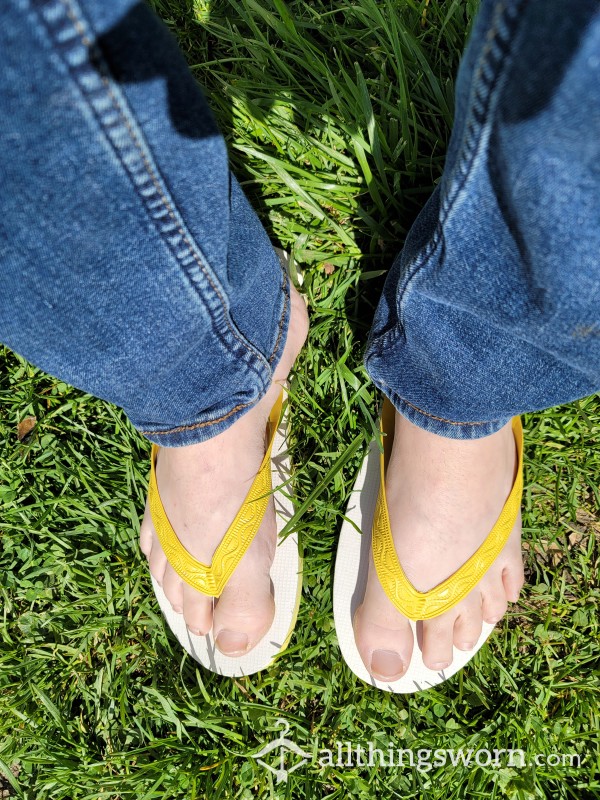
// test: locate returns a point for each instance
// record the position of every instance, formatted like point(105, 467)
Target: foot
point(202, 487)
point(444, 496)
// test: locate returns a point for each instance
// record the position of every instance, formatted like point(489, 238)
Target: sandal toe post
point(367, 512)
point(211, 579)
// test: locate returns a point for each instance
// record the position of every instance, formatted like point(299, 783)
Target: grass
point(337, 118)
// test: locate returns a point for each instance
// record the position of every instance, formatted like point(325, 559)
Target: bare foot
point(444, 496)
point(202, 487)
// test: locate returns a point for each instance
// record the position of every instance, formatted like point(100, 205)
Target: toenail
point(386, 664)
point(466, 645)
point(232, 643)
point(195, 631)
point(177, 609)
point(440, 665)
point(493, 620)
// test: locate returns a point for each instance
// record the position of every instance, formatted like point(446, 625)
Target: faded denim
point(134, 268)
point(132, 264)
point(493, 306)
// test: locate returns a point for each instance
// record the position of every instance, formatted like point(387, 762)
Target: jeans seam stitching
point(237, 408)
point(488, 74)
point(195, 425)
point(94, 53)
point(281, 317)
point(439, 419)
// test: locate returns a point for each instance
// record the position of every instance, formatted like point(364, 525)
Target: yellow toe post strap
point(211, 578)
point(425, 605)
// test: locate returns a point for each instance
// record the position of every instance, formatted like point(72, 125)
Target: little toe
point(513, 574)
point(513, 578)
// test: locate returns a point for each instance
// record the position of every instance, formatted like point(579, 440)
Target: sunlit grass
point(337, 118)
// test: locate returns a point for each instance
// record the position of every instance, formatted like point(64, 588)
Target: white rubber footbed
point(286, 577)
point(351, 570)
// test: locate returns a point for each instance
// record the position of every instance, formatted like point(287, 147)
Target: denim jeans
point(134, 268)
point(493, 306)
point(132, 264)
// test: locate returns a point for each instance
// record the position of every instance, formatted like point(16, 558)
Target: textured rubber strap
point(417, 605)
point(210, 579)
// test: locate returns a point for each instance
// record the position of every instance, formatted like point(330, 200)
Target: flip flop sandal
point(367, 512)
point(210, 579)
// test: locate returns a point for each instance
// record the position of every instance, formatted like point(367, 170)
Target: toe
point(513, 578)
point(146, 531)
point(467, 627)
point(242, 616)
point(494, 598)
point(438, 634)
point(383, 636)
point(513, 575)
point(172, 586)
point(157, 561)
point(245, 610)
point(197, 610)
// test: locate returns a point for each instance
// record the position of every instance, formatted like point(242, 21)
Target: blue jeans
point(493, 306)
point(133, 267)
point(132, 264)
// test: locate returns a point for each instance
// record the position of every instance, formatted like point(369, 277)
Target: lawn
point(337, 117)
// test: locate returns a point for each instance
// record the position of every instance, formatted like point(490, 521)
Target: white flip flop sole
point(350, 580)
point(286, 578)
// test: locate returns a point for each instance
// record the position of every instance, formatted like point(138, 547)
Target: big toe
point(243, 614)
point(383, 636)
point(245, 610)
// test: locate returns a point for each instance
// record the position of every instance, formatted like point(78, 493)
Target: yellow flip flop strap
point(210, 579)
point(417, 605)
